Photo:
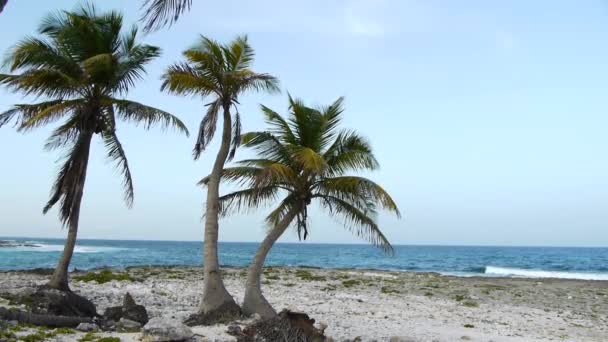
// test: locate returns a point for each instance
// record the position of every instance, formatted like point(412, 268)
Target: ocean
point(554, 262)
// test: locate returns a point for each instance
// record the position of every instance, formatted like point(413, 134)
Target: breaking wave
point(524, 273)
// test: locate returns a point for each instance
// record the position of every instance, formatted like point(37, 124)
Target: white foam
point(59, 248)
point(518, 272)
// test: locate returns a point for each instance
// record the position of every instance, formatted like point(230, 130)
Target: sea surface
point(554, 262)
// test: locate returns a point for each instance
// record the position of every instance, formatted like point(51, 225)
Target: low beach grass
point(104, 276)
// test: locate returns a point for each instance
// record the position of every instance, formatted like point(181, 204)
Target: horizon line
point(323, 243)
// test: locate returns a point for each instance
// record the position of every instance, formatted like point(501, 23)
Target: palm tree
point(81, 65)
point(304, 158)
point(223, 73)
point(160, 13)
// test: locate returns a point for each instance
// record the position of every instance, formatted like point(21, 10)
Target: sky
point(488, 118)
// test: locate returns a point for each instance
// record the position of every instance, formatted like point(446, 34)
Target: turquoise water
point(578, 263)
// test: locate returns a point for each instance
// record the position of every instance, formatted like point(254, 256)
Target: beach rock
point(87, 327)
point(127, 325)
point(160, 330)
point(134, 312)
point(113, 313)
point(129, 310)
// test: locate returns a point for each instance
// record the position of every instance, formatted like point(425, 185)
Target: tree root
point(225, 313)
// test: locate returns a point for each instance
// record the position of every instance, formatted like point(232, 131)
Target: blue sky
point(489, 119)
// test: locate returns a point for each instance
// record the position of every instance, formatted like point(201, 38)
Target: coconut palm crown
point(302, 159)
point(305, 158)
point(80, 67)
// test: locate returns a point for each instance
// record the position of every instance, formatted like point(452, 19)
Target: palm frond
point(49, 113)
point(183, 79)
point(207, 128)
point(69, 183)
point(117, 154)
point(345, 187)
point(349, 151)
point(243, 200)
point(160, 13)
point(147, 116)
point(242, 175)
point(357, 221)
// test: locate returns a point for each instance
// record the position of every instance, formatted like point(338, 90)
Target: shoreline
point(471, 275)
point(373, 304)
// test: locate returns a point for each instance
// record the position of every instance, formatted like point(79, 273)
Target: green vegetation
point(388, 290)
point(470, 303)
point(104, 276)
point(351, 283)
point(470, 326)
point(64, 331)
point(92, 337)
point(308, 276)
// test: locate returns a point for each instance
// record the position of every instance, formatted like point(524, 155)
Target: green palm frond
point(147, 116)
point(50, 113)
point(160, 13)
point(351, 186)
point(350, 151)
point(242, 175)
point(247, 199)
point(359, 222)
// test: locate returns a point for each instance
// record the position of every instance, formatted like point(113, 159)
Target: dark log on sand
point(41, 319)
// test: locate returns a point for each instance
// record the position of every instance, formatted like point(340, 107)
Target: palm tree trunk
point(215, 294)
point(59, 279)
point(254, 301)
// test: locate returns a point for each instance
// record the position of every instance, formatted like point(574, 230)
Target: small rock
point(127, 325)
point(321, 326)
point(87, 327)
point(161, 330)
point(234, 330)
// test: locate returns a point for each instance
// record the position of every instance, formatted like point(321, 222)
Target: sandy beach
point(372, 305)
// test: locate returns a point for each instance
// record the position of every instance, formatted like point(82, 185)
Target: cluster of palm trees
point(82, 66)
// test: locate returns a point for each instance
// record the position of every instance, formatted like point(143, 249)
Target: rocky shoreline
point(13, 244)
point(368, 305)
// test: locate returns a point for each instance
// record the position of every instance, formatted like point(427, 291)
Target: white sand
point(428, 307)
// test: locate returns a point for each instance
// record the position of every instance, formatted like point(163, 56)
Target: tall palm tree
point(222, 73)
point(160, 13)
point(81, 65)
point(304, 158)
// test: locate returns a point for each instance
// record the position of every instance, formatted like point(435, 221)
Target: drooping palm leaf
point(160, 13)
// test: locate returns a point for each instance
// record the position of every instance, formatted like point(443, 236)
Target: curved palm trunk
point(215, 294)
point(254, 301)
point(59, 279)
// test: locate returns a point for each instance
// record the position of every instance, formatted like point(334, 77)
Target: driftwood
point(42, 319)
